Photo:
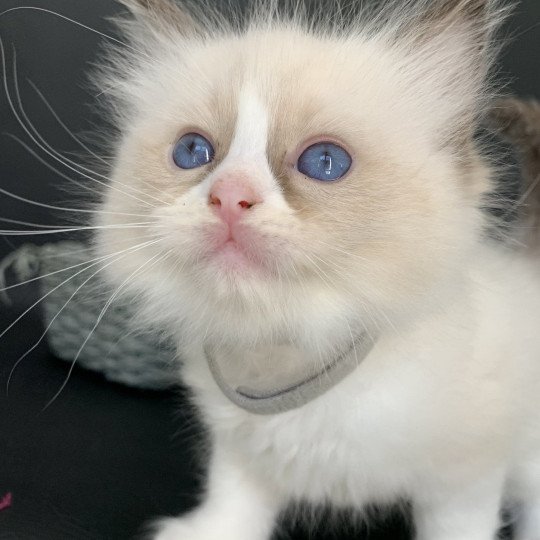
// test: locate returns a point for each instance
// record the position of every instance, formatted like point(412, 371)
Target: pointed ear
point(451, 51)
point(164, 14)
point(477, 19)
point(519, 121)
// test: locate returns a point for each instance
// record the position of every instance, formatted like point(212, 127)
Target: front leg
point(236, 506)
point(469, 510)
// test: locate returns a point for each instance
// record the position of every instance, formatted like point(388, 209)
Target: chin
point(232, 261)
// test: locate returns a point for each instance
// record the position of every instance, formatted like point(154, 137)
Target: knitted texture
point(78, 325)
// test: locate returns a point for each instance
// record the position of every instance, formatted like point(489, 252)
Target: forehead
point(303, 85)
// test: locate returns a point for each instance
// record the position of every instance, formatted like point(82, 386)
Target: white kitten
point(312, 197)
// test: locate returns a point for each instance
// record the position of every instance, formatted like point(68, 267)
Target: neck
point(276, 379)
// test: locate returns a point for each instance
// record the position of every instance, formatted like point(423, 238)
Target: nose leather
point(231, 199)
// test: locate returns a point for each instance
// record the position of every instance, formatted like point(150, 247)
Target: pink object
point(5, 501)
point(231, 199)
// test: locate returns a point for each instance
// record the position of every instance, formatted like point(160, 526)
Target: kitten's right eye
point(192, 151)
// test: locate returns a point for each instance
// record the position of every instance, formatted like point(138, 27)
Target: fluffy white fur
point(445, 410)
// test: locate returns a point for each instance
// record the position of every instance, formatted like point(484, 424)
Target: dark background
point(104, 458)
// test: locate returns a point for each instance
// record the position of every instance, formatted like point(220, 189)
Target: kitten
point(311, 190)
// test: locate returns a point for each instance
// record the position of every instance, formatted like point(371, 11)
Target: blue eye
point(192, 151)
point(325, 161)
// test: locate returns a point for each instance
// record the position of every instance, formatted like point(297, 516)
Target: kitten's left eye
point(325, 161)
point(192, 151)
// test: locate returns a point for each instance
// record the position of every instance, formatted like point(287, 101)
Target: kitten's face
point(367, 245)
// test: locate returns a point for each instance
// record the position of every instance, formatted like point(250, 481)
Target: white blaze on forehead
point(247, 153)
point(251, 133)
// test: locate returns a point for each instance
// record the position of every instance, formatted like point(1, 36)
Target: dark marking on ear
point(165, 13)
point(519, 121)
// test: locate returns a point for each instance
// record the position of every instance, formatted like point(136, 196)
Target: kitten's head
point(296, 178)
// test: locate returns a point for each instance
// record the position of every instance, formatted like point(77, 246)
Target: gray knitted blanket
point(73, 302)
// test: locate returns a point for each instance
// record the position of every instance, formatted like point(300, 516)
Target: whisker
point(4, 332)
point(43, 226)
point(100, 317)
point(63, 175)
point(63, 125)
point(66, 209)
point(42, 276)
point(75, 229)
point(77, 23)
point(347, 253)
point(53, 154)
point(44, 162)
point(62, 158)
point(90, 247)
point(42, 337)
point(30, 224)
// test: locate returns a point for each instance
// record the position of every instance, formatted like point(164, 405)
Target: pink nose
point(230, 200)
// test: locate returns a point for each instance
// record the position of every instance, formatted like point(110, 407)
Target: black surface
point(99, 461)
point(103, 459)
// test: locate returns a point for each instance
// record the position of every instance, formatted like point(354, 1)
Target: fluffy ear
point(476, 18)
point(163, 14)
point(449, 45)
point(519, 122)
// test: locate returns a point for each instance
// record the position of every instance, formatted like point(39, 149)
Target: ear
point(162, 14)
point(473, 20)
point(519, 121)
point(449, 44)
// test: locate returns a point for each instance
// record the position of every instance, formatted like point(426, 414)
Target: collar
point(281, 398)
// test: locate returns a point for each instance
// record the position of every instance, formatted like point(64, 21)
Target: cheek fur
point(384, 235)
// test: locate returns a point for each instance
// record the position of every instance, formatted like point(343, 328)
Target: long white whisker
point(347, 253)
point(42, 276)
point(53, 154)
point(43, 226)
point(12, 106)
point(75, 229)
point(63, 159)
point(73, 21)
point(3, 333)
point(44, 162)
point(78, 141)
point(42, 337)
point(63, 125)
point(90, 247)
point(100, 317)
point(65, 209)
